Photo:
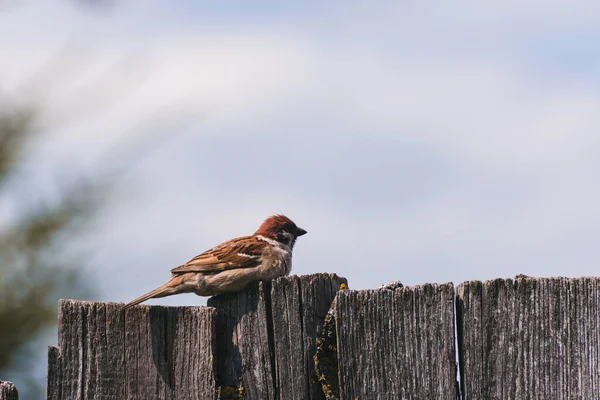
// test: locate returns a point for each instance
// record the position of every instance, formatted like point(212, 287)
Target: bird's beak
point(300, 232)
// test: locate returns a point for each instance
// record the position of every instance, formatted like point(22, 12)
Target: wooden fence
point(8, 391)
point(304, 338)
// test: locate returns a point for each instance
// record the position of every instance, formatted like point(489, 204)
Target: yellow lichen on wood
point(231, 392)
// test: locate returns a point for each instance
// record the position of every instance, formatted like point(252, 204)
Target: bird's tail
point(164, 290)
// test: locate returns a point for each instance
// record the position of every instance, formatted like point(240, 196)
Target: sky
point(414, 141)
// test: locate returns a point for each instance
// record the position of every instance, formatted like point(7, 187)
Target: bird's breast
point(275, 262)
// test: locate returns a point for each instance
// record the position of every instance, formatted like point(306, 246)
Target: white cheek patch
point(281, 247)
point(270, 241)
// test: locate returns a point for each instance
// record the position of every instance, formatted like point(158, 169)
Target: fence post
point(299, 307)
point(142, 353)
point(243, 354)
point(396, 343)
point(266, 337)
point(8, 391)
point(529, 337)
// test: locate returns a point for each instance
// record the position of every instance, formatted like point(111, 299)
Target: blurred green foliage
point(35, 269)
point(41, 254)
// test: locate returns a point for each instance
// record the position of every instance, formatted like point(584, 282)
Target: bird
point(231, 265)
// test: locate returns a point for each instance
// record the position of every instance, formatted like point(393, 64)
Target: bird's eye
point(285, 237)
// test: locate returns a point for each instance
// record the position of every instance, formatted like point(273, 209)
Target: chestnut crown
point(281, 229)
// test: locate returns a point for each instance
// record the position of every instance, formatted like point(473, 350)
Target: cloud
point(425, 145)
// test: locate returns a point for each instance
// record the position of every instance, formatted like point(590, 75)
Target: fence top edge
point(526, 278)
point(395, 288)
point(302, 278)
point(7, 387)
point(310, 277)
point(86, 303)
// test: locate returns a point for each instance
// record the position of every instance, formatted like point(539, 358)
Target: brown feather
point(226, 256)
point(273, 224)
point(173, 286)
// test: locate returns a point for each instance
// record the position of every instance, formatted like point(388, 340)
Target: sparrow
point(231, 265)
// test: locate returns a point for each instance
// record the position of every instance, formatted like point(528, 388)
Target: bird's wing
point(242, 252)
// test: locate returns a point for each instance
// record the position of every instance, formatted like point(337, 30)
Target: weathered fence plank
point(244, 356)
point(8, 391)
point(142, 353)
point(266, 337)
point(396, 343)
point(529, 338)
point(299, 307)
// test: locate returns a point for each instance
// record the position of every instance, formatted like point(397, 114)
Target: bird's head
point(281, 229)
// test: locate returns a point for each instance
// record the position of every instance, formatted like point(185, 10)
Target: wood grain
point(244, 348)
point(396, 343)
point(142, 353)
point(299, 306)
point(266, 337)
point(529, 338)
point(522, 338)
point(8, 391)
